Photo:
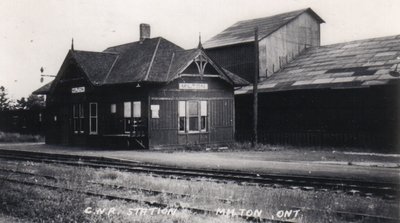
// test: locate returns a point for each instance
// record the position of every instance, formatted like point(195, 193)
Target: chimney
point(144, 31)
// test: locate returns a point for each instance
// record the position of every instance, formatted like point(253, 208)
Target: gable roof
point(43, 89)
point(360, 63)
point(146, 60)
point(155, 60)
point(96, 65)
point(243, 31)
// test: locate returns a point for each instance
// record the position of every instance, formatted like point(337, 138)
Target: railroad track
point(351, 216)
point(132, 200)
point(385, 190)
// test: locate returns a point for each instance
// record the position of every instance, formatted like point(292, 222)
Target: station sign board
point(193, 86)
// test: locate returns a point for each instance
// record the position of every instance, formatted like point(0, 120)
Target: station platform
point(373, 167)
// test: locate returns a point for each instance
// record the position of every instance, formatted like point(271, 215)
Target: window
point(78, 116)
point(193, 107)
point(203, 115)
point(113, 108)
point(192, 116)
point(182, 116)
point(93, 118)
point(132, 116)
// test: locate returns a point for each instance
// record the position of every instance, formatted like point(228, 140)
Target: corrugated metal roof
point(360, 63)
point(243, 31)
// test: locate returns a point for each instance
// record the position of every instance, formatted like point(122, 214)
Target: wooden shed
point(145, 94)
point(345, 94)
point(282, 38)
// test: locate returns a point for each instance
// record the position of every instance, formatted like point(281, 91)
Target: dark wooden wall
point(365, 117)
point(238, 59)
point(164, 130)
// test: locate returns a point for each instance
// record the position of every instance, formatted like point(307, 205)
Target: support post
point(255, 89)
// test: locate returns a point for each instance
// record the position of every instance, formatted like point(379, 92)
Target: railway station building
point(152, 93)
point(146, 94)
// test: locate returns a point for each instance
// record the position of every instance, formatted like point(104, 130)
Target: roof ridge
point(124, 44)
point(261, 18)
point(87, 51)
point(109, 72)
point(170, 64)
point(152, 60)
point(361, 40)
point(239, 32)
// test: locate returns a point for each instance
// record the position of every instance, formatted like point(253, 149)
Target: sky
point(38, 33)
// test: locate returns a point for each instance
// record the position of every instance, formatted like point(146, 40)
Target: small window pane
point(182, 124)
point(127, 125)
point(81, 125)
point(76, 111)
point(203, 107)
point(113, 108)
point(127, 109)
point(81, 112)
point(194, 124)
point(203, 122)
point(182, 108)
point(137, 109)
point(193, 108)
point(75, 125)
point(93, 109)
point(93, 125)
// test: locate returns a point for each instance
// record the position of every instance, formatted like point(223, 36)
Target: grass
point(16, 137)
point(55, 206)
point(42, 205)
point(253, 197)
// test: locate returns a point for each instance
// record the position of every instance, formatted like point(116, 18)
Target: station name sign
point(193, 86)
point(76, 90)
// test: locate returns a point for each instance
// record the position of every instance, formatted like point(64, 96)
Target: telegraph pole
point(255, 89)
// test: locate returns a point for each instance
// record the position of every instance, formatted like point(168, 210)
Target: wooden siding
point(344, 118)
point(221, 120)
point(163, 131)
point(275, 50)
point(285, 44)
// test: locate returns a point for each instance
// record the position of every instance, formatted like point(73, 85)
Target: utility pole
point(255, 89)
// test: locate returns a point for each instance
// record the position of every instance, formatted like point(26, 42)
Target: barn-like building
point(146, 94)
point(344, 94)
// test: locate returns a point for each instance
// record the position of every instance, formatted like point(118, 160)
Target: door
point(65, 125)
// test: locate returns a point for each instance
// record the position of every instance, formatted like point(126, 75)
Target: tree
point(4, 100)
point(21, 104)
point(35, 102)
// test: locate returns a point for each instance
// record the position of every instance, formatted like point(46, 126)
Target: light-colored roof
point(243, 31)
point(360, 63)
